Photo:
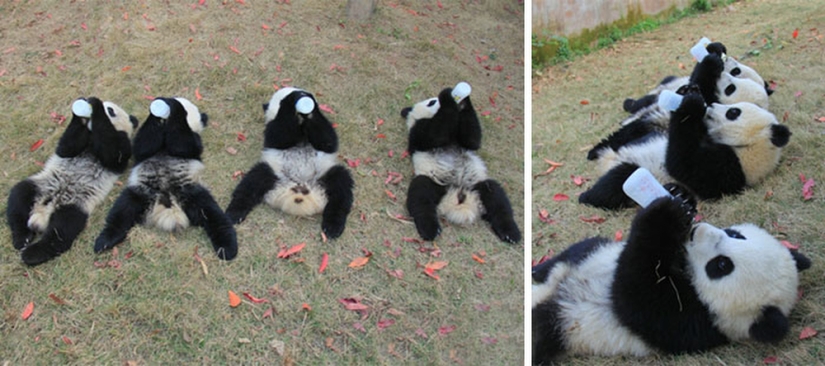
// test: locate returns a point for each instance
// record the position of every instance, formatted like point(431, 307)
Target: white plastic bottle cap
point(699, 50)
point(82, 108)
point(642, 187)
point(461, 91)
point(305, 105)
point(669, 100)
point(159, 108)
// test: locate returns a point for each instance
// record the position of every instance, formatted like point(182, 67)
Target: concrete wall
point(569, 17)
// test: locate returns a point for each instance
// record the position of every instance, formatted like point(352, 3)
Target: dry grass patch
point(153, 304)
point(564, 127)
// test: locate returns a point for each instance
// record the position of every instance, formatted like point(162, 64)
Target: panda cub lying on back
point(164, 188)
point(55, 203)
point(450, 179)
point(714, 150)
point(299, 172)
point(672, 287)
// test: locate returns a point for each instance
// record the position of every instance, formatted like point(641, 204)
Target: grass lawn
point(576, 104)
point(152, 301)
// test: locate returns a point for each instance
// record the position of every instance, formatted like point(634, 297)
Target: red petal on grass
point(795, 33)
point(578, 180)
point(234, 300)
point(544, 217)
point(326, 108)
point(821, 119)
point(254, 299)
point(558, 197)
point(584, 102)
point(807, 332)
point(353, 304)
point(306, 307)
point(437, 265)
point(440, 6)
point(479, 275)
point(27, 311)
point(36, 145)
point(797, 94)
point(285, 253)
point(234, 49)
point(397, 273)
point(789, 245)
point(485, 113)
point(384, 323)
point(359, 326)
point(56, 299)
point(478, 259)
point(770, 360)
point(411, 240)
point(359, 262)
point(324, 262)
point(126, 68)
point(593, 219)
point(198, 95)
point(807, 189)
point(431, 272)
point(241, 137)
point(67, 340)
point(390, 194)
point(446, 329)
point(264, 26)
point(619, 235)
point(420, 332)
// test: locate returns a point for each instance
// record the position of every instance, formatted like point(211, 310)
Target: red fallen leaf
point(584, 102)
point(446, 329)
point(578, 180)
point(324, 262)
point(489, 340)
point(353, 163)
point(593, 219)
point(84, 26)
point(437, 265)
point(268, 313)
point(821, 119)
point(254, 299)
point(411, 240)
point(231, 150)
point(420, 332)
point(126, 68)
point(479, 275)
point(558, 197)
point(234, 300)
point(390, 194)
point(544, 217)
point(326, 108)
point(285, 253)
point(306, 307)
point(380, 136)
point(807, 189)
point(482, 307)
point(397, 273)
point(478, 259)
point(802, 178)
point(431, 272)
point(619, 235)
point(789, 245)
point(282, 25)
point(359, 262)
point(485, 113)
point(128, 255)
point(27, 311)
point(56, 299)
point(236, 174)
point(234, 49)
point(384, 323)
point(67, 340)
point(353, 304)
point(795, 33)
point(241, 137)
point(359, 326)
point(36, 145)
point(797, 94)
point(770, 360)
point(807, 332)
point(405, 154)
point(198, 95)
point(264, 26)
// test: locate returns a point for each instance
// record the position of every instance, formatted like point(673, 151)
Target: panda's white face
point(739, 70)
point(193, 115)
point(119, 118)
point(738, 271)
point(736, 89)
point(739, 124)
point(424, 109)
point(274, 106)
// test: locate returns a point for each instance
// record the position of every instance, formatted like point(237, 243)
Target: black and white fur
point(48, 210)
point(715, 150)
point(672, 287)
point(164, 188)
point(450, 179)
point(299, 171)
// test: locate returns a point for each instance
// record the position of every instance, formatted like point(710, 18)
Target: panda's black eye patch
point(736, 71)
point(730, 90)
point(719, 267)
point(733, 113)
point(734, 234)
point(431, 103)
point(111, 112)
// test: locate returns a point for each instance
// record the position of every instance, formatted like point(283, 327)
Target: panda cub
point(55, 203)
point(715, 150)
point(450, 179)
point(164, 188)
point(722, 80)
point(672, 287)
point(298, 172)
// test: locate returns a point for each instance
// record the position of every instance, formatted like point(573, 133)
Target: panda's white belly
point(649, 154)
point(81, 181)
point(459, 170)
point(161, 177)
point(589, 324)
point(298, 169)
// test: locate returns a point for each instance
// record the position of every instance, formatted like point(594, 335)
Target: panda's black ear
point(204, 119)
point(134, 121)
point(771, 327)
point(802, 262)
point(717, 48)
point(266, 106)
point(768, 88)
point(406, 111)
point(780, 134)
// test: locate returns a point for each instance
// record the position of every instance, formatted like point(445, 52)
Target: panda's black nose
point(405, 112)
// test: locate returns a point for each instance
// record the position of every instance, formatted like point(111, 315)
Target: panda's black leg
point(627, 133)
point(65, 225)
point(127, 211)
point(202, 210)
point(20, 203)
point(497, 211)
point(632, 106)
point(250, 192)
point(607, 192)
point(422, 203)
point(338, 185)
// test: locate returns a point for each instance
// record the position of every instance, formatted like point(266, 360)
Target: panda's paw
point(508, 232)
point(332, 229)
point(105, 241)
point(22, 241)
point(228, 252)
point(38, 253)
point(687, 201)
point(428, 229)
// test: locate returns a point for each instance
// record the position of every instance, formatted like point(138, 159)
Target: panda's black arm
point(687, 128)
point(320, 133)
point(183, 142)
point(149, 139)
point(111, 147)
point(657, 234)
point(285, 131)
point(706, 74)
point(469, 127)
point(75, 139)
point(438, 131)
